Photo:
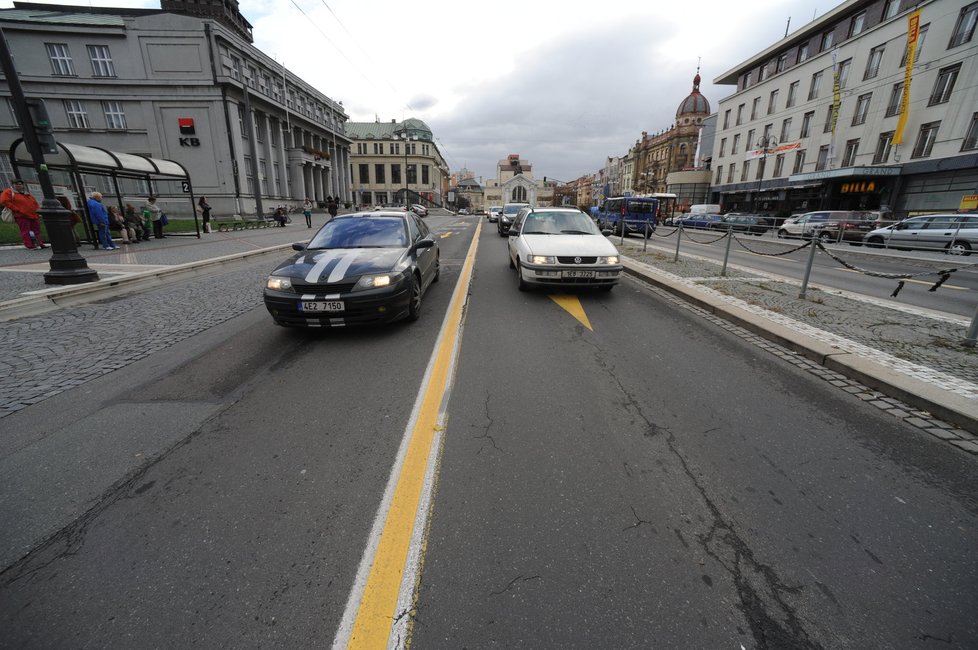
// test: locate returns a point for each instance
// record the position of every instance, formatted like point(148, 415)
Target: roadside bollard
point(972, 337)
point(645, 244)
point(808, 267)
point(621, 225)
point(679, 236)
point(726, 253)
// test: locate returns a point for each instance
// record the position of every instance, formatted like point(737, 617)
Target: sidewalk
point(907, 353)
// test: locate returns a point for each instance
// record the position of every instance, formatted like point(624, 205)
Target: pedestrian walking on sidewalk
point(25, 210)
point(100, 219)
point(332, 206)
point(155, 214)
point(205, 211)
point(307, 212)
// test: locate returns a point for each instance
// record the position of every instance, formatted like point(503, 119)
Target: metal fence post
point(726, 253)
point(679, 236)
point(645, 244)
point(972, 338)
point(813, 242)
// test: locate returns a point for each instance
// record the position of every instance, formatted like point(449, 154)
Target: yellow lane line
point(375, 604)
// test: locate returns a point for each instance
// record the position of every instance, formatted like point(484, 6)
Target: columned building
point(183, 83)
point(397, 162)
point(871, 106)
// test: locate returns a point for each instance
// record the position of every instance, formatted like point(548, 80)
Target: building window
point(823, 158)
point(772, 102)
point(263, 176)
point(115, 116)
point(361, 148)
point(101, 61)
point(719, 177)
point(762, 73)
point(802, 53)
point(925, 140)
point(740, 114)
point(826, 41)
point(862, 109)
point(77, 117)
point(60, 57)
point(412, 174)
point(882, 154)
point(750, 140)
point(241, 123)
point(890, 9)
point(921, 37)
point(896, 96)
point(873, 64)
point(844, 72)
point(964, 29)
point(723, 147)
point(806, 124)
point(971, 137)
point(745, 82)
point(248, 175)
point(792, 94)
point(785, 129)
point(745, 172)
point(753, 108)
point(425, 179)
point(730, 172)
point(849, 157)
point(782, 62)
point(857, 24)
point(379, 176)
point(828, 120)
point(396, 148)
point(799, 162)
point(258, 127)
point(760, 169)
point(726, 119)
point(395, 174)
point(945, 85)
point(816, 82)
point(778, 165)
point(364, 173)
point(735, 145)
point(378, 148)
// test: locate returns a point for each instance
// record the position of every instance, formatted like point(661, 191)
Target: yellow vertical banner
point(836, 92)
point(913, 33)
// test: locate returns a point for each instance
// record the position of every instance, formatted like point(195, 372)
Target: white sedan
point(561, 247)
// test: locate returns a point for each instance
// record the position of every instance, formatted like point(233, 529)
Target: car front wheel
point(414, 307)
point(522, 285)
point(782, 234)
point(959, 248)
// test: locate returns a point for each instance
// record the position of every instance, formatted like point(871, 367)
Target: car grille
point(574, 260)
point(339, 287)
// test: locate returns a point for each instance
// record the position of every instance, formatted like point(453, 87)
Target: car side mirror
point(607, 232)
point(298, 246)
point(512, 232)
point(424, 243)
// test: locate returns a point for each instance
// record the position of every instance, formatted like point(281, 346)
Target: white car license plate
point(578, 274)
point(327, 306)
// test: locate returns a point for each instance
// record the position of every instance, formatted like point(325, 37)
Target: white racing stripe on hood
point(339, 271)
point(321, 262)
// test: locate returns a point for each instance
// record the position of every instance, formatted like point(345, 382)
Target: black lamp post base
point(70, 276)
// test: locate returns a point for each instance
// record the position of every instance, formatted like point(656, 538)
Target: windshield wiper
point(575, 232)
point(536, 232)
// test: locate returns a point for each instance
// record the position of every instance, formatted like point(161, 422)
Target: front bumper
point(374, 307)
point(555, 274)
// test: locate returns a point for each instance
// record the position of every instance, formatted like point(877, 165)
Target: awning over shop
point(77, 156)
point(847, 172)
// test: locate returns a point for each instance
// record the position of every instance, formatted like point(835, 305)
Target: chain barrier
point(944, 274)
point(668, 234)
point(790, 250)
point(712, 241)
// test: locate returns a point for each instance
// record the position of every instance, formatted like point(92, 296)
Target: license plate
point(578, 274)
point(327, 306)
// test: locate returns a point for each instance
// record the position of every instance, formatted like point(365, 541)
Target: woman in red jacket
point(25, 209)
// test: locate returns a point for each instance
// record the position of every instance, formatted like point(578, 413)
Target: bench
point(236, 222)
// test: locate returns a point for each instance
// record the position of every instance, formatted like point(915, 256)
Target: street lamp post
point(765, 144)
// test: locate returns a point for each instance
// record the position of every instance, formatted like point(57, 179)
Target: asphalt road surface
point(615, 472)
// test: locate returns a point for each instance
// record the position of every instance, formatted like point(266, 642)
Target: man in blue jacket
point(100, 219)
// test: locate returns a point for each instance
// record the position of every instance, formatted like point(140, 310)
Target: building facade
point(397, 163)
point(815, 120)
point(182, 83)
point(514, 183)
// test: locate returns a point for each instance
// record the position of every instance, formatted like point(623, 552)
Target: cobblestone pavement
point(82, 343)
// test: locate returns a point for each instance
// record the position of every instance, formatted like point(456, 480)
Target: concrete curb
point(46, 300)
point(952, 408)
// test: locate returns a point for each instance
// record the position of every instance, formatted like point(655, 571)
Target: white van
point(704, 208)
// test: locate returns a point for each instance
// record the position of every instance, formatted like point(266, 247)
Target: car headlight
point(610, 259)
point(541, 259)
point(278, 283)
point(373, 281)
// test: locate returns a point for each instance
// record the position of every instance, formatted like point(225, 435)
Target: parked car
point(753, 224)
point(359, 268)
point(851, 228)
point(463, 211)
point(493, 214)
point(420, 210)
point(561, 246)
point(638, 214)
point(702, 220)
point(957, 234)
point(507, 215)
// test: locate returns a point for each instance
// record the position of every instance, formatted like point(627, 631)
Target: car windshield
point(642, 207)
point(558, 223)
point(512, 209)
point(362, 232)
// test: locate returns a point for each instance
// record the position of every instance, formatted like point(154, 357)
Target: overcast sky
point(563, 83)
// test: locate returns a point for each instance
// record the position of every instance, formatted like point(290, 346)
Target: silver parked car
point(957, 234)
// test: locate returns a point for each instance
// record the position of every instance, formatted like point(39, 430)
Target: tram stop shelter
point(123, 178)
